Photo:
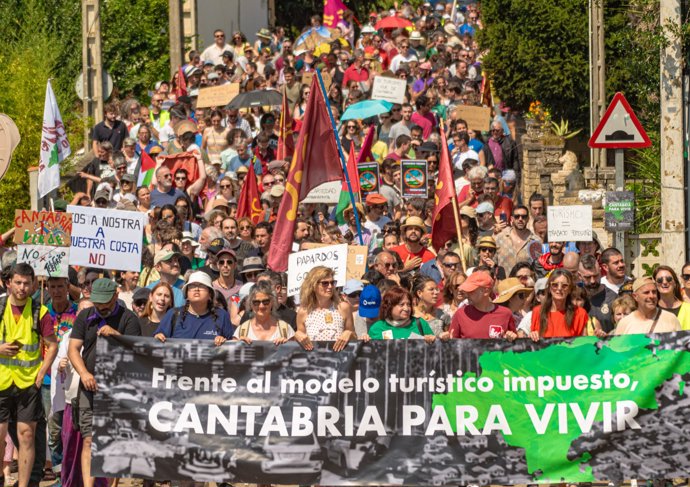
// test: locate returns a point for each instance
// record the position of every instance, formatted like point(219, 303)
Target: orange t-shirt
point(557, 327)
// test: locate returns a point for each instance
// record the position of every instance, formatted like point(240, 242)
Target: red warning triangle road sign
point(619, 128)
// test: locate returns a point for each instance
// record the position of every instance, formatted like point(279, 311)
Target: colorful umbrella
point(366, 109)
point(393, 22)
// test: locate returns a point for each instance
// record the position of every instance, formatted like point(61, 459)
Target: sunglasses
point(521, 295)
point(685, 277)
point(167, 176)
point(520, 217)
point(330, 283)
point(225, 186)
point(269, 183)
point(251, 275)
point(226, 262)
point(180, 178)
point(280, 181)
point(245, 227)
point(662, 279)
point(389, 265)
point(262, 302)
point(557, 285)
point(487, 249)
point(451, 265)
point(139, 304)
point(354, 295)
point(88, 283)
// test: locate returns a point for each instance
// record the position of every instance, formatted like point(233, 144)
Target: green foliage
point(538, 50)
point(135, 44)
point(561, 130)
point(645, 182)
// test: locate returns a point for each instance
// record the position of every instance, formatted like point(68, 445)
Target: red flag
point(147, 162)
point(333, 11)
point(286, 144)
point(316, 161)
point(181, 89)
point(249, 204)
point(352, 172)
point(183, 160)
point(443, 226)
point(365, 154)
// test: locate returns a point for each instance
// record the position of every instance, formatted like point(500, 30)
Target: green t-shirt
point(381, 328)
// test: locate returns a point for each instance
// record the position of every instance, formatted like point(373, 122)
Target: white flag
point(54, 146)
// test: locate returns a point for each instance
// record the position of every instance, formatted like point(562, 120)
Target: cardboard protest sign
point(368, 178)
point(217, 96)
point(477, 118)
point(389, 89)
point(300, 263)
point(414, 179)
point(307, 77)
point(48, 261)
point(619, 211)
point(356, 259)
point(570, 223)
point(324, 193)
point(50, 228)
point(107, 239)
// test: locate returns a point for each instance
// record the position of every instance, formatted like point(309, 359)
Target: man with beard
point(613, 263)
point(165, 193)
point(550, 260)
point(600, 297)
point(412, 252)
point(515, 242)
point(241, 248)
point(647, 318)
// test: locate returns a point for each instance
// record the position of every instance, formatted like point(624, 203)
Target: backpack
point(282, 328)
point(35, 314)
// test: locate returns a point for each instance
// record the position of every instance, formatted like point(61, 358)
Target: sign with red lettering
point(51, 228)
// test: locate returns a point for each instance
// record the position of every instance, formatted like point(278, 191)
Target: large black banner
point(394, 412)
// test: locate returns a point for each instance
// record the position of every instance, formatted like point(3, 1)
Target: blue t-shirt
point(178, 295)
point(161, 199)
point(202, 327)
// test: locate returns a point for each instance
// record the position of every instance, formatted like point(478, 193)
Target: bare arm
point(51, 353)
point(195, 188)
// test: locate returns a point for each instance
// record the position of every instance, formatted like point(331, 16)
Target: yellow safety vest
point(22, 369)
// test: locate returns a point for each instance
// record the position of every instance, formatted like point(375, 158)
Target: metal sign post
point(619, 237)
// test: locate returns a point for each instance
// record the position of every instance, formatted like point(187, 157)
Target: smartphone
point(504, 217)
point(18, 344)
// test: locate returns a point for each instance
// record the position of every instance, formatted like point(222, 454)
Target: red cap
point(376, 199)
point(476, 280)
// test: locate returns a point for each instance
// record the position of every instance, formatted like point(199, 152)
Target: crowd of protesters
point(204, 275)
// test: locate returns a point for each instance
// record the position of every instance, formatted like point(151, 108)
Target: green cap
point(103, 290)
point(60, 205)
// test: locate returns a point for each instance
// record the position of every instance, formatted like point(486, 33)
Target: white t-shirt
point(214, 53)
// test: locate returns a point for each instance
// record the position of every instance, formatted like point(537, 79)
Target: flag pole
point(342, 157)
point(454, 202)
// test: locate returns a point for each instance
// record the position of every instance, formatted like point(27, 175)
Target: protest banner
point(50, 228)
point(217, 96)
point(107, 239)
point(47, 261)
point(477, 118)
point(414, 179)
point(307, 77)
point(389, 89)
point(393, 412)
point(328, 193)
point(570, 223)
point(619, 211)
point(300, 263)
point(356, 258)
point(368, 178)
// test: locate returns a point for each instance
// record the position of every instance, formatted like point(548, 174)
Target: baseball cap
point(640, 282)
point(163, 256)
point(216, 245)
point(102, 195)
point(485, 207)
point(352, 286)
point(540, 285)
point(141, 294)
point(227, 251)
point(369, 302)
point(103, 290)
point(477, 280)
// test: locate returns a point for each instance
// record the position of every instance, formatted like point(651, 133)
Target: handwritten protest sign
point(217, 96)
point(50, 228)
point(477, 118)
point(48, 261)
point(570, 223)
point(324, 193)
point(300, 263)
point(356, 259)
point(107, 239)
point(389, 89)
point(307, 77)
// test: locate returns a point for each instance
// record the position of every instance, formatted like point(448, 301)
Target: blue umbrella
point(366, 109)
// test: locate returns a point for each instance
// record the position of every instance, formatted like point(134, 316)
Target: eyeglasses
point(354, 295)
point(225, 186)
point(180, 178)
point(269, 183)
point(686, 277)
point(226, 262)
point(521, 295)
point(167, 176)
point(262, 302)
point(280, 180)
point(559, 285)
point(351, 127)
point(251, 275)
point(487, 249)
point(662, 279)
point(139, 304)
point(451, 265)
point(245, 227)
point(520, 217)
point(330, 283)
point(221, 35)
point(389, 265)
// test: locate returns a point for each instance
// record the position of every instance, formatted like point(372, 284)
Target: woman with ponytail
point(198, 318)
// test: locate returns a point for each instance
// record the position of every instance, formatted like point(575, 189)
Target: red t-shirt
point(505, 206)
point(465, 193)
point(406, 255)
point(422, 121)
point(469, 322)
point(47, 326)
point(556, 325)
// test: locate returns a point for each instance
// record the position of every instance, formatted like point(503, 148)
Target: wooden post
point(92, 65)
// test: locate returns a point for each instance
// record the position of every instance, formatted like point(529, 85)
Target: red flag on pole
point(286, 144)
point(365, 154)
point(352, 172)
point(443, 226)
point(249, 203)
point(316, 161)
point(181, 89)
